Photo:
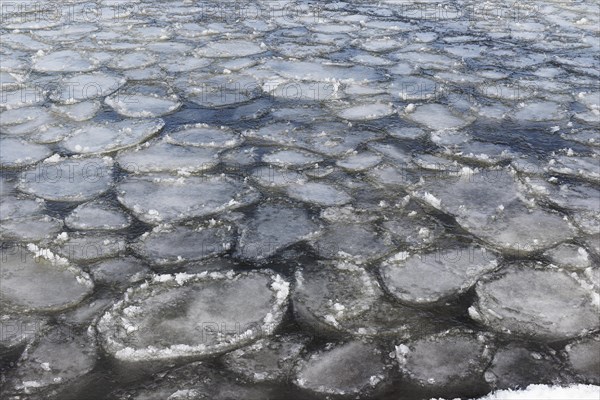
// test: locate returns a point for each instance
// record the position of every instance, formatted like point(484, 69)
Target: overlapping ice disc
point(193, 316)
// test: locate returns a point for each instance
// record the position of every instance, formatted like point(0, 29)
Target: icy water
point(298, 200)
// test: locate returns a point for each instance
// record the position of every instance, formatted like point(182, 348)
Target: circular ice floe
point(68, 179)
point(291, 158)
point(219, 97)
point(490, 205)
point(109, 137)
point(515, 366)
point(237, 64)
point(415, 88)
point(412, 227)
point(131, 60)
point(35, 279)
point(353, 368)
point(513, 91)
point(49, 134)
point(389, 319)
point(88, 311)
point(405, 132)
point(7, 187)
point(15, 64)
point(371, 60)
point(229, 48)
point(196, 380)
point(89, 246)
point(386, 176)
point(161, 198)
point(81, 87)
point(381, 44)
point(542, 303)
point(30, 117)
point(67, 34)
point(319, 172)
point(16, 99)
point(589, 117)
point(358, 242)
point(484, 153)
point(278, 132)
point(590, 99)
point(408, 277)
point(97, 215)
point(318, 71)
point(450, 138)
point(449, 360)
point(304, 50)
point(332, 138)
point(267, 359)
point(13, 207)
point(23, 41)
point(569, 256)
point(359, 161)
point(592, 275)
point(592, 242)
point(53, 361)
point(265, 232)
point(34, 228)
point(540, 111)
point(302, 90)
point(583, 358)
point(437, 117)
point(321, 194)
point(193, 316)
point(217, 90)
point(202, 135)
point(10, 81)
point(185, 64)
point(147, 33)
point(180, 244)
point(392, 151)
point(119, 272)
point(581, 167)
point(271, 177)
point(15, 153)
point(63, 61)
point(137, 105)
point(11, 118)
point(78, 112)
point(588, 137)
point(19, 329)
point(151, 73)
point(328, 294)
point(365, 112)
point(519, 230)
point(161, 156)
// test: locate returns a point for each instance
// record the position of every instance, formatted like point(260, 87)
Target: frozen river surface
point(298, 200)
